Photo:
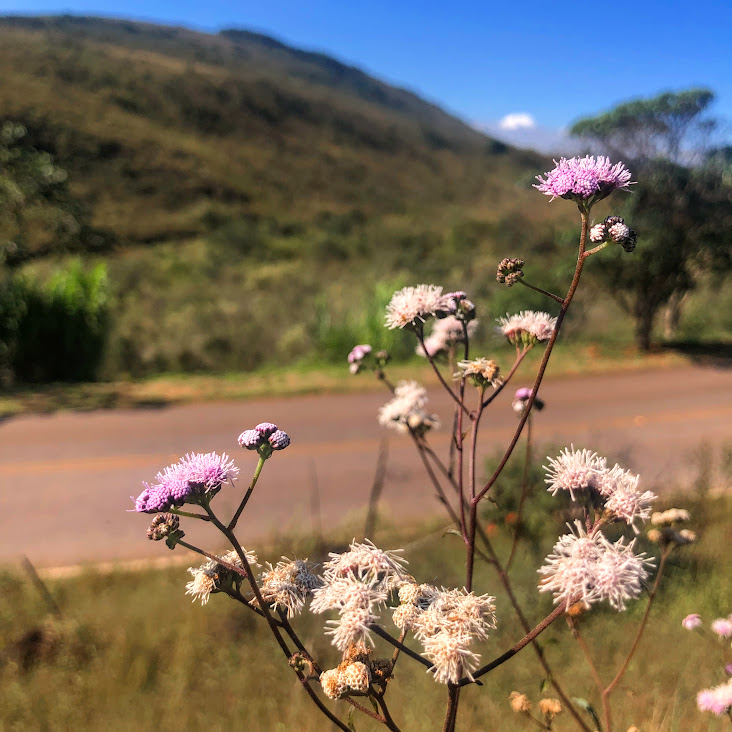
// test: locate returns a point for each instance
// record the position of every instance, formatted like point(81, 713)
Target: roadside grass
point(303, 378)
point(132, 653)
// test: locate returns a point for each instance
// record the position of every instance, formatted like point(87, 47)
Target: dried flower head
point(358, 677)
point(333, 683)
point(162, 526)
point(520, 703)
point(527, 327)
point(585, 180)
point(410, 307)
point(288, 585)
point(482, 372)
point(509, 271)
point(550, 708)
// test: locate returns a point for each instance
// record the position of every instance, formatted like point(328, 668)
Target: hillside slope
point(167, 132)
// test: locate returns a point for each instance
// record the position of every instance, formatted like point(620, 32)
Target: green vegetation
point(131, 652)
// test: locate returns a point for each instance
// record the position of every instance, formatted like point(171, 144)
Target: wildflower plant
point(370, 599)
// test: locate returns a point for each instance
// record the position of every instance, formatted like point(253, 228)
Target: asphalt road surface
point(66, 479)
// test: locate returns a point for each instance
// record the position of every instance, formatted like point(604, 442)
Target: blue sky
point(554, 62)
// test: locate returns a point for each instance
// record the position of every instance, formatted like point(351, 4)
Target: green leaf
point(587, 707)
point(374, 704)
point(544, 683)
point(349, 721)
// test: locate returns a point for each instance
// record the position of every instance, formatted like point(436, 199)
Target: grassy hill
point(284, 192)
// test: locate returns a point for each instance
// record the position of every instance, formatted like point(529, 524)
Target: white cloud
point(517, 121)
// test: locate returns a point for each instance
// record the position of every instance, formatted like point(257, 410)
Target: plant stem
point(522, 499)
point(586, 650)
point(499, 389)
point(543, 292)
point(453, 697)
point(634, 647)
point(404, 649)
point(456, 399)
point(248, 494)
point(188, 514)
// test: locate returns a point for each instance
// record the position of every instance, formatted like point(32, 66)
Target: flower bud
point(598, 233)
point(509, 271)
point(519, 703)
point(279, 440)
point(163, 525)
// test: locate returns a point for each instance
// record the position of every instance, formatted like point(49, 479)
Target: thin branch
point(376, 488)
point(522, 499)
point(367, 712)
point(247, 495)
point(397, 644)
point(500, 387)
point(543, 292)
point(639, 634)
point(528, 638)
point(586, 650)
point(420, 337)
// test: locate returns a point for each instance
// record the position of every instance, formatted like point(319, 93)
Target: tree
point(681, 206)
point(37, 213)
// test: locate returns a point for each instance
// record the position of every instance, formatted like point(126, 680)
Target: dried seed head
point(358, 677)
point(519, 702)
point(550, 708)
point(333, 683)
point(163, 525)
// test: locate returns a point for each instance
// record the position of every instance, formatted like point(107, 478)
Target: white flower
point(482, 371)
point(202, 584)
point(412, 306)
point(527, 327)
point(590, 568)
point(446, 333)
point(405, 409)
point(670, 516)
point(288, 585)
point(626, 502)
point(366, 561)
point(450, 655)
point(574, 471)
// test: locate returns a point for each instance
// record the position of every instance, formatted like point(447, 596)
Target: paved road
point(65, 480)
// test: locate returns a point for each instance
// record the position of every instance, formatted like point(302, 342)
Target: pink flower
point(722, 627)
point(716, 700)
point(690, 622)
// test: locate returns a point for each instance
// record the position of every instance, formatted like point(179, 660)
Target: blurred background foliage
point(239, 204)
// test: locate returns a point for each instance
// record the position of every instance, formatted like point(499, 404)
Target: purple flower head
point(521, 397)
point(358, 353)
point(523, 393)
point(585, 180)
point(722, 627)
point(250, 439)
point(717, 700)
point(728, 668)
point(192, 476)
point(690, 622)
point(266, 428)
point(279, 440)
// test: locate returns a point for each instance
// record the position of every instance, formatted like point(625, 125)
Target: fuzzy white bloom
point(626, 502)
point(447, 622)
point(202, 584)
point(288, 585)
point(412, 306)
point(574, 471)
point(670, 516)
point(352, 626)
point(527, 327)
point(590, 568)
point(405, 410)
point(446, 333)
point(367, 562)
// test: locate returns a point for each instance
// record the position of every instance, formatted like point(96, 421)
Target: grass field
point(132, 653)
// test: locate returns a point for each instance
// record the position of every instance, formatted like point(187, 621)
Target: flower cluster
point(446, 622)
point(193, 479)
point(582, 472)
point(354, 583)
point(527, 327)
point(213, 576)
point(264, 438)
point(585, 180)
point(355, 673)
point(446, 333)
point(482, 372)
point(667, 531)
point(614, 229)
point(405, 411)
point(456, 305)
point(590, 568)
point(288, 585)
point(509, 271)
point(410, 307)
